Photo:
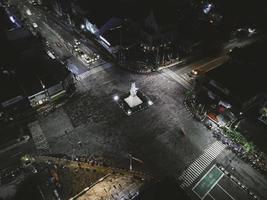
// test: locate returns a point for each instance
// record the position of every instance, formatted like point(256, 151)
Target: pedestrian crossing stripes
point(200, 164)
point(186, 78)
point(38, 137)
point(182, 80)
point(94, 70)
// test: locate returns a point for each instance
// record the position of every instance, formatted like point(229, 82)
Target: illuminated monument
point(133, 101)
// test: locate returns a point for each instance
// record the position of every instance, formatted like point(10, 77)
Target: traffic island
point(133, 101)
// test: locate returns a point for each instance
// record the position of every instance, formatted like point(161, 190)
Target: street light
point(82, 26)
point(116, 98)
point(150, 103)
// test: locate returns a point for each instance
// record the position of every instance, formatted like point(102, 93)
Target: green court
point(207, 182)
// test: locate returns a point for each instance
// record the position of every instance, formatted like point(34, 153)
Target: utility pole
point(120, 54)
point(157, 56)
point(131, 161)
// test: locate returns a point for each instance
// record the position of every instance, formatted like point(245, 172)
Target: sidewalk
point(13, 146)
point(245, 173)
point(243, 148)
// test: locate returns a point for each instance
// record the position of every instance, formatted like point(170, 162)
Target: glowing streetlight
point(116, 98)
point(150, 103)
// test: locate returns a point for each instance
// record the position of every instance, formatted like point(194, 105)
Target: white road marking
point(176, 78)
point(211, 196)
point(226, 192)
point(95, 70)
point(201, 163)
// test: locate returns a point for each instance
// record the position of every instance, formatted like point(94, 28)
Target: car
point(208, 124)
point(222, 168)
point(28, 12)
point(80, 52)
point(182, 131)
point(245, 188)
point(233, 178)
point(26, 137)
point(194, 72)
point(77, 42)
point(87, 60)
point(76, 48)
point(23, 138)
point(34, 170)
point(34, 25)
point(51, 54)
point(241, 33)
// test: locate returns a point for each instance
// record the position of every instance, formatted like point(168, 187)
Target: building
point(29, 78)
point(239, 84)
point(43, 79)
point(153, 38)
point(114, 186)
point(156, 41)
point(11, 92)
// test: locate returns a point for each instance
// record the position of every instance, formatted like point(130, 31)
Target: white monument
point(133, 100)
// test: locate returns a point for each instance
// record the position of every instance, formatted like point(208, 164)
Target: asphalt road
point(151, 135)
point(227, 189)
point(60, 36)
point(12, 156)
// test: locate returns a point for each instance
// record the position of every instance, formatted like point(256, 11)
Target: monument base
point(131, 105)
point(133, 101)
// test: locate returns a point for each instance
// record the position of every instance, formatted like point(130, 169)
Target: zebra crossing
point(38, 137)
point(200, 164)
point(181, 78)
point(94, 70)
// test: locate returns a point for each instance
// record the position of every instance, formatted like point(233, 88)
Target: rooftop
point(243, 76)
point(37, 69)
point(29, 67)
point(13, 89)
point(114, 186)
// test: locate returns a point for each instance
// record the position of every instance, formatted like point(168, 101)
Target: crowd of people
point(244, 150)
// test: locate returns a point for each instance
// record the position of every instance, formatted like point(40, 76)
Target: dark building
point(11, 97)
point(153, 39)
point(238, 84)
point(32, 77)
point(148, 34)
point(42, 78)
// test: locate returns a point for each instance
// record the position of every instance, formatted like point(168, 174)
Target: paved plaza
point(92, 124)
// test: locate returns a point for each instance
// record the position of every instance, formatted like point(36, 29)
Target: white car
point(76, 48)
point(77, 42)
point(51, 55)
point(34, 25)
point(28, 11)
point(23, 138)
